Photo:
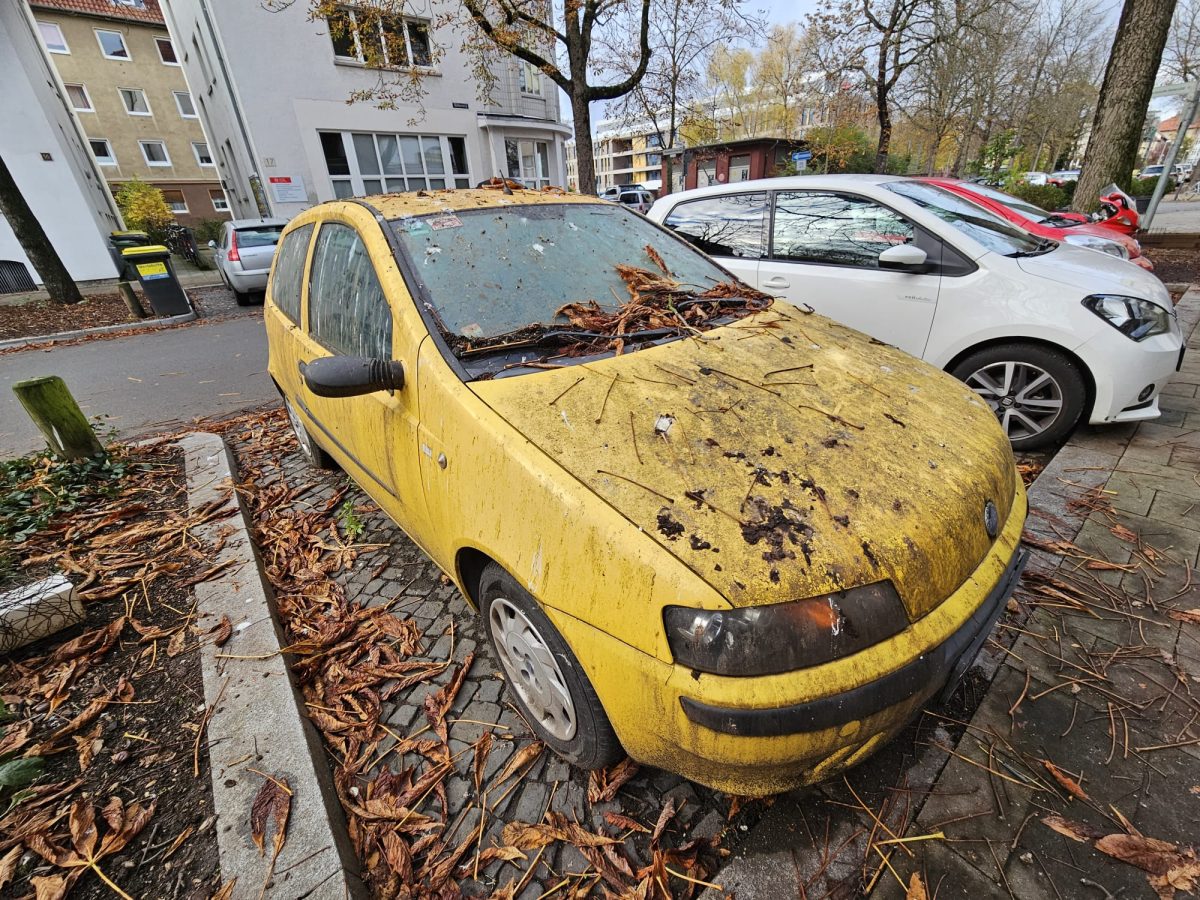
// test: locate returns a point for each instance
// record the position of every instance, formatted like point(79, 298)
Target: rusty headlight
point(781, 637)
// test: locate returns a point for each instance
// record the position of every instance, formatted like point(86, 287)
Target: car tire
point(309, 449)
point(544, 678)
point(1038, 393)
point(242, 297)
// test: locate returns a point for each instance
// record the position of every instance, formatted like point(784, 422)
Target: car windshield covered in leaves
point(547, 283)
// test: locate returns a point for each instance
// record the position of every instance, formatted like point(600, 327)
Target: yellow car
point(730, 539)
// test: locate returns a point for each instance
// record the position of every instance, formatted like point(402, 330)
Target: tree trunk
point(585, 164)
point(885, 135)
point(33, 240)
point(1124, 97)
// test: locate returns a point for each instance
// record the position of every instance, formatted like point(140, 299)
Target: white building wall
point(65, 192)
point(267, 83)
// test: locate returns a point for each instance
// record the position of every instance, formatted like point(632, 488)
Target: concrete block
point(37, 610)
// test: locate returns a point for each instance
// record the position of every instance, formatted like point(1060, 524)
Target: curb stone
point(257, 720)
point(142, 325)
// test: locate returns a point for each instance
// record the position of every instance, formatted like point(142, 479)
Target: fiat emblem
point(991, 519)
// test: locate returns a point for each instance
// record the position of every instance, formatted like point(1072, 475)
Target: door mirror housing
point(351, 376)
point(212, 245)
point(905, 257)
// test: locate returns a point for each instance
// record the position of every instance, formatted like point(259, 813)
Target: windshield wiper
point(561, 337)
point(1044, 245)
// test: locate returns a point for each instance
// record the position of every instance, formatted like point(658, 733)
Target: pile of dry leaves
point(114, 707)
point(351, 659)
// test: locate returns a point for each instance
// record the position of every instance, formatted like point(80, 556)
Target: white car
point(244, 252)
point(1046, 333)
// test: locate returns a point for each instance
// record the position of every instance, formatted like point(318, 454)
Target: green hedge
point(1047, 196)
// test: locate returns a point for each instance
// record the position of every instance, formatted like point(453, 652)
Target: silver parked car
point(244, 252)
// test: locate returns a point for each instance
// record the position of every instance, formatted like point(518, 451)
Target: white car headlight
point(1134, 317)
point(1092, 242)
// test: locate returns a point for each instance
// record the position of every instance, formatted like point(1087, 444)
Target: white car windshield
point(985, 227)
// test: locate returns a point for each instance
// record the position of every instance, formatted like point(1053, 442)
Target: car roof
point(787, 183)
point(423, 203)
point(250, 223)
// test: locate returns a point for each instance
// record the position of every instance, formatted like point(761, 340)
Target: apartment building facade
point(272, 88)
point(124, 82)
point(621, 154)
point(48, 157)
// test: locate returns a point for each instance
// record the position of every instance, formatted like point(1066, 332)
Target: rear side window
point(347, 310)
point(289, 272)
point(259, 236)
point(722, 226)
point(834, 229)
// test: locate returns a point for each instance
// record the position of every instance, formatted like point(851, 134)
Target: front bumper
point(763, 735)
point(1122, 369)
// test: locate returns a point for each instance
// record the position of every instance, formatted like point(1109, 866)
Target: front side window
point(347, 309)
point(203, 157)
point(155, 153)
point(176, 202)
point(990, 230)
point(288, 276)
point(166, 51)
point(183, 102)
point(722, 226)
point(102, 150)
point(834, 229)
point(78, 95)
point(52, 37)
point(112, 44)
point(135, 102)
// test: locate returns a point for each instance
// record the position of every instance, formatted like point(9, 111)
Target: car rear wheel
point(1037, 393)
point(312, 453)
point(544, 677)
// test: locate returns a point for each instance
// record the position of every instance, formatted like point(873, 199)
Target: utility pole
point(1185, 122)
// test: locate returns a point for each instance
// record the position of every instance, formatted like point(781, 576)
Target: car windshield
point(988, 229)
point(258, 236)
point(519, 274)
point(1016, 204)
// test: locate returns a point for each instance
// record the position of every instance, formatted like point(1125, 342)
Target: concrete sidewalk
point(1092, 671)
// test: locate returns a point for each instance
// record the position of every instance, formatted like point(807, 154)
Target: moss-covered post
point(58, 416)
point(131, 300)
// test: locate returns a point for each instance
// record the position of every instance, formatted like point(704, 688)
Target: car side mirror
point(212, 245)
point(905, 257)
point(351, 376)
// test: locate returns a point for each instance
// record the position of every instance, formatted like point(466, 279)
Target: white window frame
point(212, 192)
point(158, 46)
point(129, 4)
point(91, 107)
point(183, 202)
point(356, 178)
point(179, 106)
point(212, 163)
point(145, 99)
point(539, 176)
point(360, 59)
point(167, 153)
point(128, 57)
point(110, 159)
point(530, 78)
point(66, 50)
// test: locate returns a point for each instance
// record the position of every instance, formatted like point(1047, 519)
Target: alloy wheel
point(532, 669)
point(301, 432)
point(1025, 398)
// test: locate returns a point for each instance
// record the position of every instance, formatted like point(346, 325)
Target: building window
point(52, 37)
point(739, 168)
point(219, 201)
point(528, 162)
point(175, 201)
point(78, 95)
point(102, 150)
point(203, 157)
point(166, 51)
point(531, 78)
point(183, 100)
point(155, 153)
point(135, 101)
point(361, 164)
point(112, 44)
point(131, 4)
point(381, 41)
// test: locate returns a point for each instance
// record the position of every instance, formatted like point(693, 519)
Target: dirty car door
point(373, 436)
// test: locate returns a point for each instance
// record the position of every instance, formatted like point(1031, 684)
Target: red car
point(1035, 220)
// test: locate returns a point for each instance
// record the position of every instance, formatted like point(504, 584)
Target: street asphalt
point(146, 382)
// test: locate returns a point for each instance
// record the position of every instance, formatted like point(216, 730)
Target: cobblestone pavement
point(218, 300)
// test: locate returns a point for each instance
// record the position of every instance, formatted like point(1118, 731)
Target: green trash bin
point(152, 267)
point(120, 240)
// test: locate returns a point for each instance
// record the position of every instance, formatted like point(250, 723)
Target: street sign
point(801, 155)
point(1173, 90)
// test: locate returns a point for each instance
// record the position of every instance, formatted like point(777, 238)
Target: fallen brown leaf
point(916, 888)
point(8, 864)
point(525, 756)
point(225, 892)
point(1076, 831)
point(1069, 784)
point(1191, 616)
point(272, 804)
point(224, 631)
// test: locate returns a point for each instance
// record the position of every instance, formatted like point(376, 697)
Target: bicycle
point(180, 241)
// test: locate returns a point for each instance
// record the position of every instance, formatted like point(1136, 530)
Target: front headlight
point(1092, 242)
point(1135, 318)
point(765, 640)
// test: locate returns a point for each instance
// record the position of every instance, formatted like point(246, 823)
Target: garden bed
point(38, 317)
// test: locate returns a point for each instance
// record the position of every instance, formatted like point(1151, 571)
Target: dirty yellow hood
point(781, 457)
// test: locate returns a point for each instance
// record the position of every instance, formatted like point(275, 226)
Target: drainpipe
point(1185, 122)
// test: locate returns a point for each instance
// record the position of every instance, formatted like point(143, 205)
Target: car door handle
point(776, 281)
